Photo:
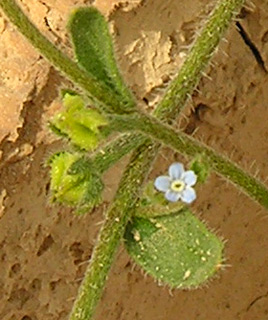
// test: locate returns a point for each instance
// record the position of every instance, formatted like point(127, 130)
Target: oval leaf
point(175, 249)
point(94, 49)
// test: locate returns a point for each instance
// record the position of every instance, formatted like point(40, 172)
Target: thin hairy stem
point(108, 155)
point(197, 59)
point(189, 146)
point(97, 91)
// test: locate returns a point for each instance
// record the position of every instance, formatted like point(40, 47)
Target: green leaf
point(175, 249)
point(80, 124)
point(94, 49)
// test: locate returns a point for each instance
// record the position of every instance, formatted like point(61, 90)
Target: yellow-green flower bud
point(80, 124)
point(74, 181)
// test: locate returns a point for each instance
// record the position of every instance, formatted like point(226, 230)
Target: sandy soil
point(44, 250)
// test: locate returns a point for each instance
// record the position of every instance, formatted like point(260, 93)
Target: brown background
point(44, 250)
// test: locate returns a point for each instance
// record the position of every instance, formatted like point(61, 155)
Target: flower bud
point(80, 124)
point(74, 181)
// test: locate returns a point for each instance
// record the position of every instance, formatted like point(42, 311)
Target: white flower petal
point(176, 170)
point(188, 195)
point(162, 183)
point(190, 178)
point(172, 196)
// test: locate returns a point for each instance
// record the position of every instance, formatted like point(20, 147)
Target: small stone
point(2, 198)
point(25, 150)
point(2, 25)
point(182, 37)
point(182, 55)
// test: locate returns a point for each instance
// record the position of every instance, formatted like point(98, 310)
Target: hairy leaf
point(176, 249)
point(94, 49)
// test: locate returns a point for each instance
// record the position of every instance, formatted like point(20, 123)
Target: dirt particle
point(243, 13)
point(191, 127)
point(243, 120)
point(77, 252)
point(54, 284)
point(146, 100)
point(47, 243)
point(200, 111)
point(26, 318)
point(36, 284)
point(2, 199)
point(187, 31)
point(108, 7)
point(15, 269)
point(2, 25)
point(76, 249)
point(264, 38)
point(25, 150)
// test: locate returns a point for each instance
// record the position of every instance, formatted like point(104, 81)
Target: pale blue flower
point(178, 185)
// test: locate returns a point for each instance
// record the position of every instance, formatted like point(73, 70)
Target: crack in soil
point(31, 113)
point(256, 300)
point(253, 48)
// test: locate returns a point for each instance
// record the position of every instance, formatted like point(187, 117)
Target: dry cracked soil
point(44, 249)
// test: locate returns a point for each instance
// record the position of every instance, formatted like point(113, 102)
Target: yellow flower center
point(177, 185)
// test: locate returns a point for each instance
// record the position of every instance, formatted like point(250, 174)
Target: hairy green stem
point(186, 145)
point(197, 59)
point(99, 92)
point(182, 143)
point(91, 291)
point(108, 155)
point(112, 231)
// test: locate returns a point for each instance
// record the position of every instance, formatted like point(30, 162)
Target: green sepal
point(153, 203)
point(74, 181)
point(94, 49)
point(80, 124)
point(201, 168)
point(176, 249)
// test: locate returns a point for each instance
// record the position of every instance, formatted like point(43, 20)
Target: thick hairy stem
point(99, 92)
point(112, 231)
